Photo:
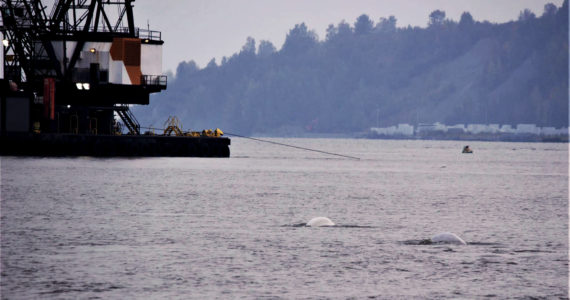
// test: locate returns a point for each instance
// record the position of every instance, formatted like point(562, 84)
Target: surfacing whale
point(320, 221)
point(447, 238)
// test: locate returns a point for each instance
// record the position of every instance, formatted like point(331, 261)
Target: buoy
point(320, 221)
point(466, 149)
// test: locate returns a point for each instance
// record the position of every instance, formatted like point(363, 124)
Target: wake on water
point(333, 226)
point(445, 238)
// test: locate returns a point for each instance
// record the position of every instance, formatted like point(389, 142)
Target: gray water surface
point(180, 228)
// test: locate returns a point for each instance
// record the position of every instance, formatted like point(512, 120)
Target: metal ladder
point(128, 119)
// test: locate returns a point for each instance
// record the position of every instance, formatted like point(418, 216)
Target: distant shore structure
point(476, 131)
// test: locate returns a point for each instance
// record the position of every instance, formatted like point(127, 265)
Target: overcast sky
point(200, 30)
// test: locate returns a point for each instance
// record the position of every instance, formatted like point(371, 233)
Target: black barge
point(29, 144)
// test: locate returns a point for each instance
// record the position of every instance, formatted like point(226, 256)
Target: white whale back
point(320, 221)
point(447, 238)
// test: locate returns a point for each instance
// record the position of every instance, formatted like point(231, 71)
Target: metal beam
point(15, 37)
point(120, 19)
point(130, 17)
point(97, 14)
point(60, 13)
point(81, 42)
point(105, 18)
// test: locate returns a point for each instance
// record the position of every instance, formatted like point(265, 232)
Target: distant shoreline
point(529, 138)
point(522, 138)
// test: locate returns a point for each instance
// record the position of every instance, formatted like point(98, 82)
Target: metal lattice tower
point(29, 30)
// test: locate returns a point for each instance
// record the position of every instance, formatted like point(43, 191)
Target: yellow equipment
point(207, 132)
point(173, 125)
point(193, 133)
point(212, 133)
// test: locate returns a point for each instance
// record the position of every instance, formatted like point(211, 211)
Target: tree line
point(376, 73)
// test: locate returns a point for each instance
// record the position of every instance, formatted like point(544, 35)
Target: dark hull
point(111, 145)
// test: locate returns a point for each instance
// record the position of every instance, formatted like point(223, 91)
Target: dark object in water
point(466, 149)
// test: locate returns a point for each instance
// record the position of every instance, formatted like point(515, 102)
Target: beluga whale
point(447, 238)
point(320, 221)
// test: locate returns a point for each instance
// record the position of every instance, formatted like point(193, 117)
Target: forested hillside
point(376, 73)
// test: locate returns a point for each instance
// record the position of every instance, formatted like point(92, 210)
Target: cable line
point(276, 143)
point(292, 146)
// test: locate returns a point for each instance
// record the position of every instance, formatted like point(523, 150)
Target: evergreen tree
point(465, 72)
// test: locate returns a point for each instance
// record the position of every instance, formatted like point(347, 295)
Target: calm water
point(179, 228)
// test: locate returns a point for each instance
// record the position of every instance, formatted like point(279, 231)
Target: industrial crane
point(79, 64)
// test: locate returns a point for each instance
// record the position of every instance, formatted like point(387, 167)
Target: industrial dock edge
point(29, 144)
